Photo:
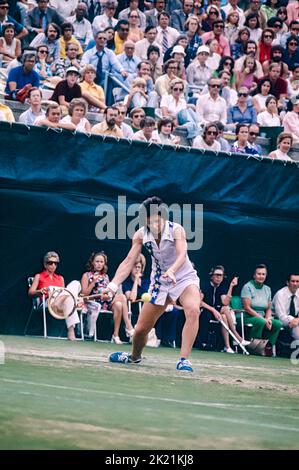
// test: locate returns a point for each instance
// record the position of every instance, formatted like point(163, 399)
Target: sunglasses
point(219, 26)
point(52, 262)
point(277, 25)
point(214, 86)
point(138, 116)
point(253, 134)
point(178, 89)
point(4, 8)
point(211, 133)
point(43, 52)
point(217, 274)
point(293, 43)
point(125, 30)
point(268, 36)
point(243, 94)
point(295, 29)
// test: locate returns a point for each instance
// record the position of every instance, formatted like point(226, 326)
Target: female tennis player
point(173, 279)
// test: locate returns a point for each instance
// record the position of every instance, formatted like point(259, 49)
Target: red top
point(47, 280)
point(265, 52)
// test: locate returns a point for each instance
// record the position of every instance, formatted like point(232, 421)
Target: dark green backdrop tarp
point(52, 182)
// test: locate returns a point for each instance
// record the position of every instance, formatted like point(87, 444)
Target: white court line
point(161, 399)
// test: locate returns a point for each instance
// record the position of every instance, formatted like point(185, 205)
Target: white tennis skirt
point(161, 289)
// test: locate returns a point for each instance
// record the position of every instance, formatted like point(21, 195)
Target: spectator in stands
point(53, 119)
point(290, 121)
point(103, 59)
point(166, 35)
point(293, 32)
point(192, 27)
point(77, 111)
point(293, 82)
point(91, 92)
point(265, 45)
point(136, 285)
point(214, 58)
point(212, 14)
point(153, 55)
point(182, 41)
point(6, 113)
point(250, 48)
point(232, 5)
point(232, 26)
point(270, 8)
point(105, 20)
point(135, 33)
point(207, 141)
point(278, 27)
point(147, 126)
point(211, 107)
point(67, 89)
point(243, 112)
point(108, 126)
point(284, 144)
point(226, 63)
point(136, 115)
point(217, 33)
point(217, 295)
point(110, 38)
point(247, 76)
point(10, 46)
point(51, 39)
point(67, 37)
point(276, 56)
point(121, 35)
point(82, 27)
point(141, 47)
point(253, 133)
point(47, 278)
point(253, 24)
point(64, 7)
point(286, 305)
point(41, 66)
point(238, 48)
point(174, 102)
point(137, 96)
point(256, 298)
point(279, 86)
point(179, 17)
point(241, 145)
point(93, 282)
point(20, 30)
point(263, 92)
point(133, 6)
point(225, 146)
point(171, 70)
point(71, 60)
point(21, 79)
point(152, 15)
point(126, 129)
point(164, 130)
point(35, 110)
point(40, 17)
point(291, 53)
point(255, 7)
point(128, 59)
point(198, 73)
point(269, 117)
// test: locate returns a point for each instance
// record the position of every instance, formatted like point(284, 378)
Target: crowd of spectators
point(203, 66)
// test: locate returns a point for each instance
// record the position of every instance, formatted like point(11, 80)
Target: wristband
point(112, 286)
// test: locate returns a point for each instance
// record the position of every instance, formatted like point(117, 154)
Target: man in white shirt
point(35, 110)
point(166, 35)
point(105, 20)
point(82, 27)
point(142, 46)
point(286, 305)
point(126, 129)
point(211, 107)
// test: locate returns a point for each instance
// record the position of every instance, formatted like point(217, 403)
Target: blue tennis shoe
point(184, 365)
point(123, 358)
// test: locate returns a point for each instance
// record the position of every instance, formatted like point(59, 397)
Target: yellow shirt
point(63, 44)
point(7, 113)
point(93, 89)
point(119, 44)
point(102, 128)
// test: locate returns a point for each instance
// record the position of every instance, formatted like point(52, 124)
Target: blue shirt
point(17, 75)
point(235, 115)
point(110, 62)
point(18, 26)
point(129, 63)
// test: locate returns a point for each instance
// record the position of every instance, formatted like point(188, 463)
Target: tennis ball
point(146, 297)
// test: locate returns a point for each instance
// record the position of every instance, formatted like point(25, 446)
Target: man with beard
point(108, 126)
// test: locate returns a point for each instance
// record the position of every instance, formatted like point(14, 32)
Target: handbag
point(257, 347)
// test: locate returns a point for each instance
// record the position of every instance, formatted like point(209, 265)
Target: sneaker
point(123, 358)
point(184, 365)
point(116, 340)
point(244, 342)
point(229, 350)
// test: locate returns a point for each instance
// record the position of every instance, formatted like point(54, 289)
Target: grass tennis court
point(57, 394)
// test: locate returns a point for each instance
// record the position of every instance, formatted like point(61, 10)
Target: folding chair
point(237, 306)
point(37, 304)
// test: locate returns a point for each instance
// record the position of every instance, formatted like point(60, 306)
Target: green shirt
point(260, 298)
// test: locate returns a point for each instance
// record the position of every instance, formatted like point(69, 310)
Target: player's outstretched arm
point(126, 266)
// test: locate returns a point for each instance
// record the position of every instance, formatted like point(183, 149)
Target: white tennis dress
point(163, 258)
